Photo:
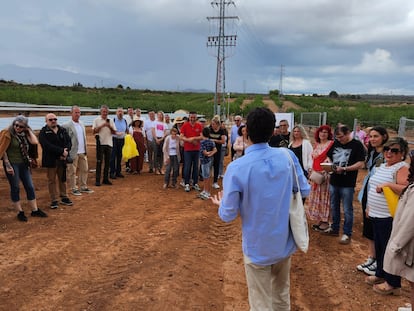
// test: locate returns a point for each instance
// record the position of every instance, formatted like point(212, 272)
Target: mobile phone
point(107, 120)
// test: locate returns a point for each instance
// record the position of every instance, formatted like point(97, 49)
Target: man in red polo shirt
point(190, 133)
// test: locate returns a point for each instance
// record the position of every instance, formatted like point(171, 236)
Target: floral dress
point(318, 204)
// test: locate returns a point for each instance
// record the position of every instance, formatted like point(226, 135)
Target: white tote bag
point(297, 216)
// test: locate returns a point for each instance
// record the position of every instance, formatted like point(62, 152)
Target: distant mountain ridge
point(32, 75)
point(58, 77)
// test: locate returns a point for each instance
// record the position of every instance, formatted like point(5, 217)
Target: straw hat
point(178, 120)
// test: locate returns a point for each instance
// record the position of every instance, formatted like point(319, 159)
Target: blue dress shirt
point(259, 186)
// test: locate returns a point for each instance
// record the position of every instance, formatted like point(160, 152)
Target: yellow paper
point(392, 199)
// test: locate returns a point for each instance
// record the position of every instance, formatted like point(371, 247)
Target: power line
point(221, 41)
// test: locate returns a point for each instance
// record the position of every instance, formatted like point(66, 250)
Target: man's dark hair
point(342, 129)
point(260, 124)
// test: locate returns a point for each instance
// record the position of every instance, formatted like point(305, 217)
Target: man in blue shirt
point(117, 143)
point(259, 186)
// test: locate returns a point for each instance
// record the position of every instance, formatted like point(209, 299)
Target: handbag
point(317, 178)
point(297, 217)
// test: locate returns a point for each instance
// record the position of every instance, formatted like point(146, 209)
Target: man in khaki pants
point(77, 133)
point(258, 187)
point(56, 145)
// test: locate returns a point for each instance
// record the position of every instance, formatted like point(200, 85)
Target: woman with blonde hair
point(218, 136)
point(301, 147)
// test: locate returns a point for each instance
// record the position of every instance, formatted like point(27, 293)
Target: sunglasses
point(393, 150)
point(19, 126)
point(51, 120)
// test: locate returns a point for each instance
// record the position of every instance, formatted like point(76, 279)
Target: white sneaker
point(370, 270)
point(201, 194)
point(86, 190)
point(345, 239)
point(182, 184)
point(187, 188)
point(367, 263)
point(76, 192)
point(205, 196)
point(196, 187)
point(216, 186)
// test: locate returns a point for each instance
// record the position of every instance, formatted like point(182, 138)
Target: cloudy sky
point(351, 46)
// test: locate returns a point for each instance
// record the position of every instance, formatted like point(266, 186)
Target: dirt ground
point(136, 246)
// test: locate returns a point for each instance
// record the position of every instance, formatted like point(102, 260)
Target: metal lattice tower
point(221, 42)
point(282, 71)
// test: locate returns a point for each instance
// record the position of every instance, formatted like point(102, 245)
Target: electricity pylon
point(221, 41)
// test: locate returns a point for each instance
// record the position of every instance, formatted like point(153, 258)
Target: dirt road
point(135, 246)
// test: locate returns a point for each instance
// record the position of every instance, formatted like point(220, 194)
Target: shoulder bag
point(317, 177)
point(297, 217)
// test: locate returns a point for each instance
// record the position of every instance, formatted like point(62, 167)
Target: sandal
point(316, 227)
point(322, 226)
point(372, 280)
point(383, 289)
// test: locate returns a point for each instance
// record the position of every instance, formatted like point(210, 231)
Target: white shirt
point(81, 137)
point(105, 135)
point(172, 146)
point(376, 202)
point(160, 128)
point(148, 125)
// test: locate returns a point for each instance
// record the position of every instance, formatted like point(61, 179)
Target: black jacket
point(53, 145)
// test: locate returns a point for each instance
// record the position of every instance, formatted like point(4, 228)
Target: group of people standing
point(326, 174)
point(165, 144)
point(63, 155)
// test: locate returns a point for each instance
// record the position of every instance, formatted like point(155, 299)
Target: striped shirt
point(377, 203)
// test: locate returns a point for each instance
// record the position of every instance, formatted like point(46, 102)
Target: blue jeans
point(346, 195)
point(222, 154)
point(21, 172)
point(116, 156)
point(173, 166)
point(191, 162)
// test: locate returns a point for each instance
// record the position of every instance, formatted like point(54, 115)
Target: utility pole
point(221, 41)
point(282, 69)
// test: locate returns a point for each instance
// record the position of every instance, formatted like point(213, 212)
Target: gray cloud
point(349, 46)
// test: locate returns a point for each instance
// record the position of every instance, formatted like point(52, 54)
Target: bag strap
point(294, 170)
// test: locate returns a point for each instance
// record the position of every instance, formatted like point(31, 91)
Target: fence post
point(401, 126)
point(354, 127)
